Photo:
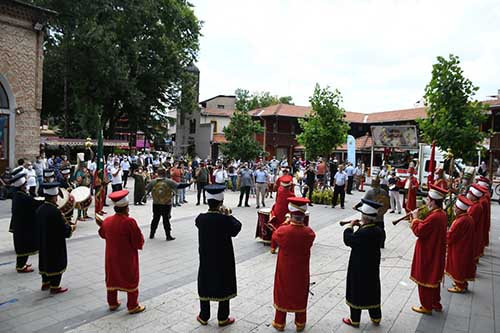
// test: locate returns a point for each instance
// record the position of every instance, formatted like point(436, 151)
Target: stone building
point(21, 68)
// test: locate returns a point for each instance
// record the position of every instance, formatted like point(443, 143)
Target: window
point(220, 106)
point(4, 100)
point(192, 126)
point(214, 125)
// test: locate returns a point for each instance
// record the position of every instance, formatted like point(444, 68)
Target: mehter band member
point(427, 268)
point(217, 271)
point(279, 210)
point(53, 231)
point(123, 241)
point(460, 264)
point(291, 280)
point(23, 221)
point(475, 193)
point(363, 272)
point(486, 199)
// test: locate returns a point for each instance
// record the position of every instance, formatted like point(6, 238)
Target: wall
point(21, 65)
point(221, 121)
point(228, 102)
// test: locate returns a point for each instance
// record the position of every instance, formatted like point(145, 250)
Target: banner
point(351, 149)
point(404, 137)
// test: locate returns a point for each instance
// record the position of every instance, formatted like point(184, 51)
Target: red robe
point(460, 264)
point(280, 208)
point(476, 211)
point(427, 267)
point(123, 240)
point(441, 182)
point(486, 202)
point(410, 199)
point(291, 280)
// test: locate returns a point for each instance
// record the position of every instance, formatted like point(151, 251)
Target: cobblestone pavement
point(169, 271)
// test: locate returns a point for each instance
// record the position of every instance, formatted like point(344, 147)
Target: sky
point(378, 54)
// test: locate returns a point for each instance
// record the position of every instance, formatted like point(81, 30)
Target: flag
point(100, 173)
point(432, 165)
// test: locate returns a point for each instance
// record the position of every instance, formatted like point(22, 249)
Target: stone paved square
point(169, 272)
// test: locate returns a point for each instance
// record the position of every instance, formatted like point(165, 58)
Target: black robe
point(217, 272)
point(53, 231)
point(23, 223)
point(363, 273)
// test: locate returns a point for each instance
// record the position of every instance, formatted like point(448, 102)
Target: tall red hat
point(483, 181)
point(297, 206)
point(437, 192)
point(119, 198)
point(463, 203)
point(477, 190)
point(411, 170)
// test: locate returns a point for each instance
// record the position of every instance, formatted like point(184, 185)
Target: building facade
point(21, 71)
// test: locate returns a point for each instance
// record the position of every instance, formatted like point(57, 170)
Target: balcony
point(281, 139)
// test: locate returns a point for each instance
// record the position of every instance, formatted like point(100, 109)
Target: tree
point(240, 134)
point(453, 117)
point(246, 101)
point(324, 128)
point(125, 57)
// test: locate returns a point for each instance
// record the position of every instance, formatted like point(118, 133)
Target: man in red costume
point(411, 184)
point(291, 280)
point(486, 201)
point(280, 208)
point(476, 211)
point(427, 268)
point(440, 179)
point(460, 265)
point(123, 240)
point(286, 174)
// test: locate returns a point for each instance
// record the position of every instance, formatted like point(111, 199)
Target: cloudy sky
point(378, 53)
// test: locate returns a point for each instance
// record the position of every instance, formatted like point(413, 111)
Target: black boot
point(169, 237)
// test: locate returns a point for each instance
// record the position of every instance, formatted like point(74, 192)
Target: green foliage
point(246, 101)
point(453, 117)
point(126, 58)
point(240, 134)
point(325, 128)
point(322, 197)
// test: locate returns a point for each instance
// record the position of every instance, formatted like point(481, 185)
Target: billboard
point(404, 137)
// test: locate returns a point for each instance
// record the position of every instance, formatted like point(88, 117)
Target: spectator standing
point(261, 178)
point(394, 183)
point(202, 179)
point(350, 177)
point(231, 172)
point(220, 175)
point(339, 183)
point(246, 182)
point(176, 176)
point(125, 165)
point(31, 178)
point(39, 166)
point(310, 178)
point(116, 177)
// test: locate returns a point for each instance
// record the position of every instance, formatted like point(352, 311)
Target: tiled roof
point(219, 138)
point(362, 143)
point(283, 110)
point(217, 112)
point(396, 115)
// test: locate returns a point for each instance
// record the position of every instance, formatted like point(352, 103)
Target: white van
point(424, 158)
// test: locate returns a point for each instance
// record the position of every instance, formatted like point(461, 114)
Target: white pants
point(395, 200)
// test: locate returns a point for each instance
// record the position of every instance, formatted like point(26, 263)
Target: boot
point(151, 234)
point(169, 237)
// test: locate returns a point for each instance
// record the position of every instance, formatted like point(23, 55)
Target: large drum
point(65, 201)
point(263, 232)
point(82, 196)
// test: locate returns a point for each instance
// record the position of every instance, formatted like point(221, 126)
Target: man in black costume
point(363, 272)
point(217, 272)
point(53, 231)
point(23, 221)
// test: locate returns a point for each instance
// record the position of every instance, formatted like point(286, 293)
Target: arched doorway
point(7, 125)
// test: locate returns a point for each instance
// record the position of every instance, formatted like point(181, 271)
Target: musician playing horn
point(363, 272)
point(378, 194)
point(124, 239)
point(53, 231)
point(291, 280)
point(428, 263)
point(217, 271)
point(460, 263)
point(66, 184)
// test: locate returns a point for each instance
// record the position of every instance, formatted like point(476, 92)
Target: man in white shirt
point(383, 176)
point(31, 178)
point(339, 183)
point(125, 166)
point(116, 177)
point(220, 175)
